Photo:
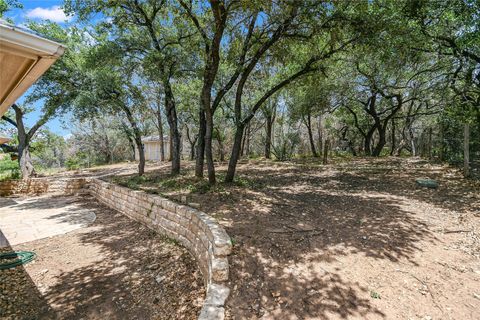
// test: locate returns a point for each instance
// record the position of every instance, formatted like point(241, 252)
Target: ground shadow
point(20, 297)
point(133, 273)
point(289, 222)
point(294, 223)
point(71, 208)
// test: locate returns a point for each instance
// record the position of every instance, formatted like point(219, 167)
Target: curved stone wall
point(197, 231)
point(37, 186)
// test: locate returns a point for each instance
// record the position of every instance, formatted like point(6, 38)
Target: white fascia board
point(29, 41)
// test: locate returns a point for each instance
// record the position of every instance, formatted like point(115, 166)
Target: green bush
point(72, 163)
point(9, 169)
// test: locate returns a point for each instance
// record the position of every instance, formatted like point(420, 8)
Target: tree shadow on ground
point(20, 297)
point(280, 252)
point(119, 269)
point(295, 227)
point(396, 176)
point(299, 222)
point(70, 209)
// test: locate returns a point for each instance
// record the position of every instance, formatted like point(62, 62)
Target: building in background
point(151, 145)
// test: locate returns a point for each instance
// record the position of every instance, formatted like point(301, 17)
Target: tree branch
point(9, 120)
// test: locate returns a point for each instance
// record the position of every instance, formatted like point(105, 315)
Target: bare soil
point(354, 240)
point(115, 268)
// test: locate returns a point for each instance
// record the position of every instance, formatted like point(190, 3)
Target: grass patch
point(183, 183)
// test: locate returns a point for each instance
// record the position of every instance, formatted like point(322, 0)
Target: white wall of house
point(152, 150)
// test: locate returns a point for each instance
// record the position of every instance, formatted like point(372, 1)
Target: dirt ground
point(354, 240)
point(114, 268)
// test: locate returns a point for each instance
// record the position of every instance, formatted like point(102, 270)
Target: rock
point(153, 266)
point(194, 205)
point(427, 183)
point(217, 295)
point(159, 279)
point(212, 313)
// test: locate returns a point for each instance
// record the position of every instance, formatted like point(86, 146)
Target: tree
point(452, 30)
point(319, 25)
point(45, 90)
point(49, 150)
point(147, 31)
point(269, 111)
point(25, 137)
point(7, 5)
point(155, 108)
point(98, 140)
point(310, 98)
point(110, 86)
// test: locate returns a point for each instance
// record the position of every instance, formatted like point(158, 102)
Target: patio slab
point(28, 219)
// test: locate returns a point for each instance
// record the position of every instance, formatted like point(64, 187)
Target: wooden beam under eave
point(36, 71)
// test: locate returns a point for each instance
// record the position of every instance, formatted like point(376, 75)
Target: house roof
point(4, 139)
point(24, 57)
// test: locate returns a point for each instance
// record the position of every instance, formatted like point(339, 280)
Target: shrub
point(9, 169)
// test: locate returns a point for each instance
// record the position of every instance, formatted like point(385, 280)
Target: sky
point(38, 10)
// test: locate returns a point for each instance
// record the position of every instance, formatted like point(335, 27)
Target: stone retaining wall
point(197, 231)
point(206, 240)
point(36, 186)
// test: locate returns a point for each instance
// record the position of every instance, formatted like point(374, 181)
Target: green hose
point(23, 257)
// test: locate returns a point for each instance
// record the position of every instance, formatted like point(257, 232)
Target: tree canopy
point(233, 78)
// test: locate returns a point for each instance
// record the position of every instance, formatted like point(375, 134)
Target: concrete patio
point(28, 219)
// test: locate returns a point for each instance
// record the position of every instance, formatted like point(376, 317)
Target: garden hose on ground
point(22, 257)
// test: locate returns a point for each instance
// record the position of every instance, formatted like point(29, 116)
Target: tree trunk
point(193, 142)
point(412, 141)
point(221, 149)
point(242, 148)
point(237, 144)
point(24, 159)
point(382, 141)
point(173, 123)
point(247, 144)
point(308, 124)
point(325, 151)
point(137, 136)
point(268, 136)
point(108, 154)
point(466, 150)
point(141, 155)
point(200, 145)
point(209, 149)
point(441, 149)
point(393, 138)
point(170, 144)
point(320, 136)
point(368, 141)
point(430, 139)
point(160, 133)
point(192, 149)
point(132, 146)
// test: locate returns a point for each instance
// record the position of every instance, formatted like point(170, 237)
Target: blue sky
point(39, 10)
